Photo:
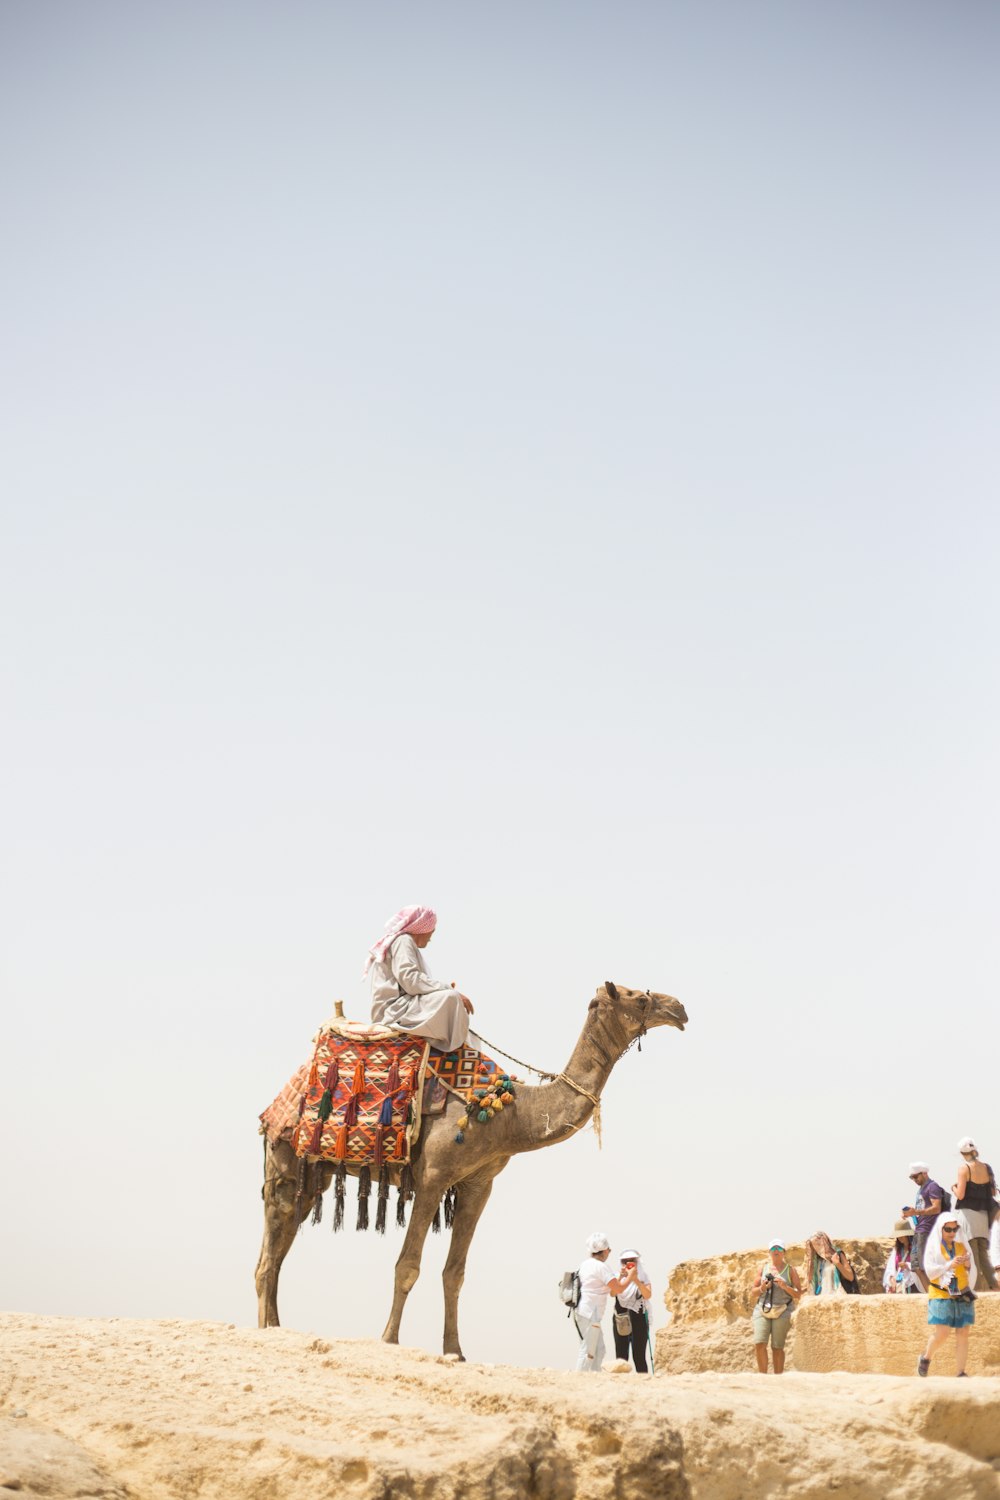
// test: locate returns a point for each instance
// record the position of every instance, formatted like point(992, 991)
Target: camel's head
point(636, 1011)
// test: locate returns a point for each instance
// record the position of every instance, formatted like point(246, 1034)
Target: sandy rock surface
point(171, 1410)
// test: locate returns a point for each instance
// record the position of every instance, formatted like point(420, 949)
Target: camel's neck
point(554, 1111)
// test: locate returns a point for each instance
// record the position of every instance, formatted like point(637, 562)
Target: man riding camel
point(404, 995)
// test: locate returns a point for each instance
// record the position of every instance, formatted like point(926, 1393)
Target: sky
point(538, 461)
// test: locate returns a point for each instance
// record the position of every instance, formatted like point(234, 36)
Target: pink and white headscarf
point(414, 919)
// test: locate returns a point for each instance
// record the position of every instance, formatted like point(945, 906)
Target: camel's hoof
point(390, 1338)
point(455, 1354)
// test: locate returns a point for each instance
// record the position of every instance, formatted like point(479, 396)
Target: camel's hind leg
point(472, 1195)
point(426, 1201)
point(281, 1221)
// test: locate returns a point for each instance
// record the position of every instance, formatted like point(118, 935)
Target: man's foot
point(923, 1365)
point(963, 1375)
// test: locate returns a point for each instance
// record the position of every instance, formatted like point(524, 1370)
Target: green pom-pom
point(484, 1115)
point(460, 1137)
point(325, 1106)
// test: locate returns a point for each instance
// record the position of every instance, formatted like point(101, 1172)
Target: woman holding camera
point(631, 1320)
point(780, 1288)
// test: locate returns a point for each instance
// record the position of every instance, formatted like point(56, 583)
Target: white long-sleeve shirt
point(406, 997)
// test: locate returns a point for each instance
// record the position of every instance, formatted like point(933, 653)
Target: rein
point(625, 1046)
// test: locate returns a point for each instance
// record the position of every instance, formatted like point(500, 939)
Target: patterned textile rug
point(462, 1070)
point(358, 1101)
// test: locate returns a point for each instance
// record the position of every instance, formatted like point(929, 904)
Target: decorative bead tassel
point(340, 1144)
point(325, 1108)
point(383, 1200)
point(400, 1144)
point(317, 1213)
point(302, 1104)
point(358, 1086)
point(351, 1110)
point(406, 1181)
point(385, 1113)
point(364, 1188)
point(379, 1148)
point(338, 1197)
point(332, 1076)
point(449, 1208)
point(436, 1221)
point(392, 1082)
point(400, 1208)
point(317, 1139)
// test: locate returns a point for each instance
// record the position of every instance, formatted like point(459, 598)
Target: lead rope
point(564, 1077)
point(538, 1072)
point(595, 1099)
point(553, 1078)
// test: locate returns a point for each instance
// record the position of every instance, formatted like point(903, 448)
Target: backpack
point(569, 1290)
point(945, 1201)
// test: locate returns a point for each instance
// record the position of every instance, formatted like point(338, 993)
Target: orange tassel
point(340, 1145)
point(358, 1086)
point(400, 1144)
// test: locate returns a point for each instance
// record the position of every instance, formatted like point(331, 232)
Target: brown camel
point(542, 1115)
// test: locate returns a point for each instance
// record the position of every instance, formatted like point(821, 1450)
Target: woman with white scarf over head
point(951, 1272)
point(596, 1281)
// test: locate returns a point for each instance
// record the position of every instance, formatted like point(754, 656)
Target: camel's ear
point(611, 989)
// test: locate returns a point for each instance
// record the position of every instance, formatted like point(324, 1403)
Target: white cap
point(915, 1167)
point(776, 1244)
point(629, 1255)
point(597, 1243)
point(967, 1144)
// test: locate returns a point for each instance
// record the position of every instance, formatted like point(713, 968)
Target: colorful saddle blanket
point(358, 1101)
point(463, 1070)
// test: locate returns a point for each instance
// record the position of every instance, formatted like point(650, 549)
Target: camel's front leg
point(425, 1203)
point(472, 1195)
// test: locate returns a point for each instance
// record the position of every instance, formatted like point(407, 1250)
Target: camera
point(769, 1276)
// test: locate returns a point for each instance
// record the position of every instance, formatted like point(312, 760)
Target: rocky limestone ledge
point(884, 1336)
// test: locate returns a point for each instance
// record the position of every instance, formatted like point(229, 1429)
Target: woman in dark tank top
point(975, 1202)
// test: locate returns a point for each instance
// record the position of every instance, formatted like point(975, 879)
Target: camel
point(542, 1116)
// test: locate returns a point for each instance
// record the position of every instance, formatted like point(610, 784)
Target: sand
point(173, 1409)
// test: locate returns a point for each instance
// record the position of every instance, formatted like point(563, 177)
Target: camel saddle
point(361, 1098)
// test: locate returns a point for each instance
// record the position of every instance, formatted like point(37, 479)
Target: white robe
point(406, 997)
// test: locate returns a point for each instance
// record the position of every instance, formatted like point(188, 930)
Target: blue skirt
point(942, 1312)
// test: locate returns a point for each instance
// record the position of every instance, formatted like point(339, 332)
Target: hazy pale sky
point(535, 460)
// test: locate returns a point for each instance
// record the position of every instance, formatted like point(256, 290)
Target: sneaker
point(923, 1365)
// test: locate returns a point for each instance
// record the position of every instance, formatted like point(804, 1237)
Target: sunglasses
point(949, 1229)
point(628, 1262)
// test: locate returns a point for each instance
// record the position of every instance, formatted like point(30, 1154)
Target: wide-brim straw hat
point(903, 1226)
